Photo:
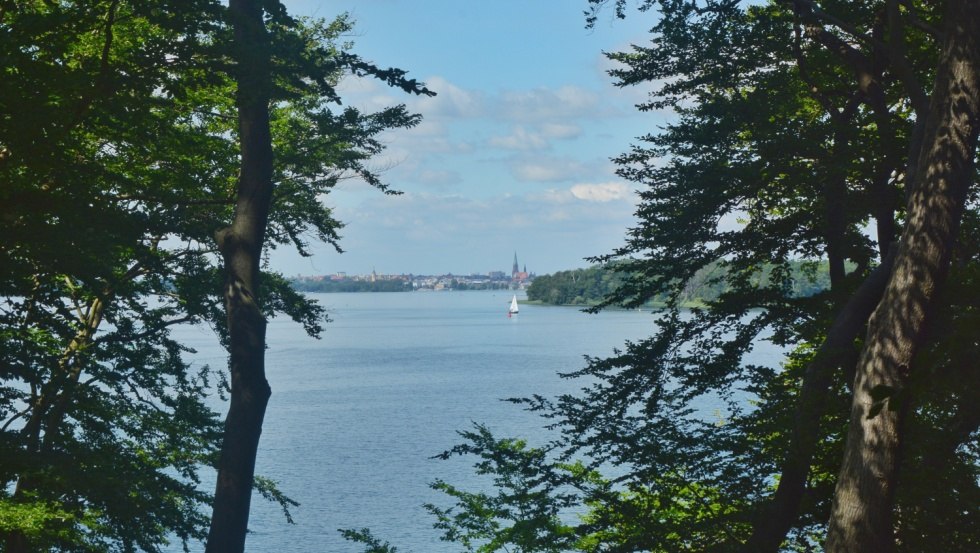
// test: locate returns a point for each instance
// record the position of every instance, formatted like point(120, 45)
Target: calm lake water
point(356, 417)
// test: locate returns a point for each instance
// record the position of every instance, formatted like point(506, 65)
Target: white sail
point(513, 304)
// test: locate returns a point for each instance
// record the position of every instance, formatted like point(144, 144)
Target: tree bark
point(861, 516)
point(835, 196)
point(241, 248)
point(837, 349)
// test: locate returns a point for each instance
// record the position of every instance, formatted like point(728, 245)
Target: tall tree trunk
point(778, 517)
point(835, 196)
point(861, 516)
point(241, 248)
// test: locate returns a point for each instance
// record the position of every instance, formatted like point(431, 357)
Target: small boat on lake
point(513, 306)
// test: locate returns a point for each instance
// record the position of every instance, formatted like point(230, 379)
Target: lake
point(356, 416)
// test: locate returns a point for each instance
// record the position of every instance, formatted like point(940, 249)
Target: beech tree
point(802, 131)
point(241, 246)
point(104, 427)
point(800, 109)
point(862, 516)
point(119, 156)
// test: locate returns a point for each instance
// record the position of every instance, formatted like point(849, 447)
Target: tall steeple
point(516, 268)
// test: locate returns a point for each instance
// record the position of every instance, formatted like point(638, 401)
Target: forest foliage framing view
point(152, 152)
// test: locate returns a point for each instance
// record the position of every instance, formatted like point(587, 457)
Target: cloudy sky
point(514, 152)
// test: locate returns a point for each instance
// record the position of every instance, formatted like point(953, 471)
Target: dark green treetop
point(118, 153)
point(796, 126)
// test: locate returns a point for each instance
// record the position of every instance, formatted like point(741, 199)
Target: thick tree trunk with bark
point(241, 247)
point(861, 517)
point(837, 349)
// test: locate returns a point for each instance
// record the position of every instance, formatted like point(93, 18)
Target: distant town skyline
point(513, 153)
point(522, 273)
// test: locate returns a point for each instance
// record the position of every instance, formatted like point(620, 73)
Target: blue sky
point(514, 152)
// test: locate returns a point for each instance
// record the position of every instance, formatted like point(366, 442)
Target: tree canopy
point(802, 131)
point(151, 153)
point(119, 153)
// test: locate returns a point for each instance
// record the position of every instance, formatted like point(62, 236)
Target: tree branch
point(899, 60)
point(817, 13)
point(771, 528)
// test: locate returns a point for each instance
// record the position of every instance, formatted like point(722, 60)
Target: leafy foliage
point(118, 152)
point(790, 141)
point(371, 543)
point(525, 515)
point(592, 285)
point(575, 287)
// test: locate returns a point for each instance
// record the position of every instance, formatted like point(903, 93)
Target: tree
point(119, 155)
point(241, 248)
point(241, 245)
point(827, 75)
point(576, 287)
point(524, 515)
point(862, 518)
point(104, 429)
point(809, 123)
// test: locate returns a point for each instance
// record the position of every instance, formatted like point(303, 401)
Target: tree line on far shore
point(591, 285)
point(348, 285)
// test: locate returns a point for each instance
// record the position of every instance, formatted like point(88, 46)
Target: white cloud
point(553, 169)
point(551, 107)
point(520, 139)
point(450, 101)
point(354, 85)
point(561, 130)
point(367, 94)
point(545, 104)
point(539, 137)
point(603, 192)
point(552, 196)
point(541, 172)
point(428, 127)
point(432, 233)
point(439, 177)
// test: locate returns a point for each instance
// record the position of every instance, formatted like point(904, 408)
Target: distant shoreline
point(399, 285)
point(651, 305)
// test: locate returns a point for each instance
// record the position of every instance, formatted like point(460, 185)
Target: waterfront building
point(517, 274)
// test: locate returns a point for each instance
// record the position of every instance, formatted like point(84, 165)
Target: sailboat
point(513, 306)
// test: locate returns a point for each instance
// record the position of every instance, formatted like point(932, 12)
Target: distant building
point(517, 274)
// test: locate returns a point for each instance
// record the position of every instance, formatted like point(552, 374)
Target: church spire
point(517, 269)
